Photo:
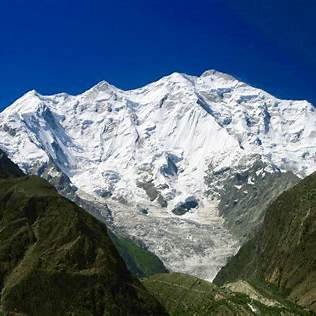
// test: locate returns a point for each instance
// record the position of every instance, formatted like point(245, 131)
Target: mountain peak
point(30, 94)
point(176, 75)
point(102, 86)
point(217, 74)
point(28, 102)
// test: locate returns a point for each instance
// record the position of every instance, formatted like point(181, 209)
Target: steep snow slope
point(148, 152)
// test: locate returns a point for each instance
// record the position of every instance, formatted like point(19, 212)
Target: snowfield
point(146, 153)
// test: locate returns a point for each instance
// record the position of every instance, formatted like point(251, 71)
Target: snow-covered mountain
point(160, 156)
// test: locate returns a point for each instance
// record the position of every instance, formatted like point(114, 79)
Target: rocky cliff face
point(283, 252)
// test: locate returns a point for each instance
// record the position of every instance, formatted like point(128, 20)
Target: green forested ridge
point(139, 261)
point(283, 253)
point(55, 259)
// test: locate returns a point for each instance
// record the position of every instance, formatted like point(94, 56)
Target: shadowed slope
point(283, 253)
point(7, 168)
point(55, 259)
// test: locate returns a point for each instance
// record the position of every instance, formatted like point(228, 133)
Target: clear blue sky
point(66, 45)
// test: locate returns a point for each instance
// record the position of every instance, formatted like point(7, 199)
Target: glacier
point(144, 156)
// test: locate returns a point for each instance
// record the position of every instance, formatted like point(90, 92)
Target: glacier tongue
point(199, 247)
point(146, 153)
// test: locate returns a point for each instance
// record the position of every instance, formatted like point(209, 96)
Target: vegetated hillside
point(55, 259)
point(182, 294)
point(283, 252)
point(140, 262)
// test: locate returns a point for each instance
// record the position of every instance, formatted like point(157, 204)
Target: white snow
point(108, 140)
